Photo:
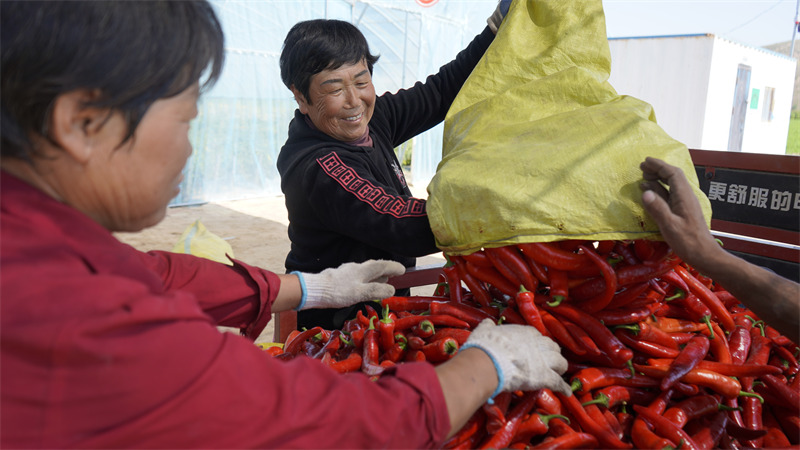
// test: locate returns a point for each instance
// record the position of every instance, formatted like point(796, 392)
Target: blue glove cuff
point(500, 378)
point(302, 289)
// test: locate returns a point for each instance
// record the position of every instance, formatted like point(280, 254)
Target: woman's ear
point(77, 128)
point(300, 99)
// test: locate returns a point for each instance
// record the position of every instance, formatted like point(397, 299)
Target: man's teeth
point(353, 118)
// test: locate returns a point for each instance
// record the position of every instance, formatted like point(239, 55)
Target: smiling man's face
point(341, 101)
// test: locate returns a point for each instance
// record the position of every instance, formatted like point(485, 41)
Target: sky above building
point(756, 23)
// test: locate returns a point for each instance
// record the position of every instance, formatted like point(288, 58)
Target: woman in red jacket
point(105, 346)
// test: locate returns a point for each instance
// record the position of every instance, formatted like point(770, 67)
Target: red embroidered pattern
point(367, 192)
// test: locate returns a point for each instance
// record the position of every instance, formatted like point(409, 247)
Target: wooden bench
point(759, 221)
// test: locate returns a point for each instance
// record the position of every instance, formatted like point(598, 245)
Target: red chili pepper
point(627, 295)
point(493, 277)
point(475, 286)
point(474, 424)
point(453, 280)
point(688, 358)
point(414, 354)
point(602, 336)
point(752, 420)
point(558, 332)
point(614, 395)
point(651, 333)
point(645, 272)
point(396, 352)
point(721, 384)
point(726, 297)
point(789, 422)
point(404, 323)
point(708, 297)
point(553, 257)
point(570, 440)
point(782, 390)
point(503, 437)
point(440, 350)
point(415, 342)
point(547, 402)
point(458, 334)
point(710, 433)
point(386, 329)
point(478, 258)
point(791, 362)
point(496, 412)
point(529, 311)
point(626, 251)
point(675, 280)
point(692, 408)
point(510, 315)
point(513, 260)
point(760, 347)
point(613, 317)
point(605, 436)
point(777, 337)
point(293, 345)
point(473, 316)
point(719, 344)
point(610, 282)
point(775, 437)
point(671, 325)
point(666, 428)
point(727, 369)
point(559, 287)
point(643, 437)
point(582, 338)
point(424, 329)
point(371, 351)
point(591, 378)
point(536, 425)
point(331, 346)
point(415, 303)
point(350, 364)
point(648, 348)
point(739, 345)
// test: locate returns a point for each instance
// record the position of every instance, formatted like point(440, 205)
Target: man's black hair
point(321, 44)
point(131, 53)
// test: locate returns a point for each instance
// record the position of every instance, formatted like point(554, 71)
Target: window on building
point(768, 105)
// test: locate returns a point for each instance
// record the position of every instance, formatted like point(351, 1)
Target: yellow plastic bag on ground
point(538, 146)
point(198, 241)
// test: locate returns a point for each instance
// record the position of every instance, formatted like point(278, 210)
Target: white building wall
point(690, 81)
point(670, 73)
point(763, 133)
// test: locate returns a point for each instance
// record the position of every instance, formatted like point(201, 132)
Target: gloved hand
point(348, 284)
point(524, 359)
point(498, 15)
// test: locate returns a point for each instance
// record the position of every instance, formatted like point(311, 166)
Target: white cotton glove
point(348, 284)
point(498, 15)
point(524, 359)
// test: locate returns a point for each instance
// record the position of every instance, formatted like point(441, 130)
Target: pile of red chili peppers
point(660, 356)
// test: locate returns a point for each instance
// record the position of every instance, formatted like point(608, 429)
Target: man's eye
point(336, 92)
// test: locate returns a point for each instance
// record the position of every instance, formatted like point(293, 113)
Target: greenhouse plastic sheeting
point(539, 147)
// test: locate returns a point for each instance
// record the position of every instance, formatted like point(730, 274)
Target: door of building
point(740, 96)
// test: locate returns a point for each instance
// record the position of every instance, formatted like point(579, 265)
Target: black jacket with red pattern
point(350, 204)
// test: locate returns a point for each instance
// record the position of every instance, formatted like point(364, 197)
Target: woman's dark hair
point(131, 52)
point(316, 45)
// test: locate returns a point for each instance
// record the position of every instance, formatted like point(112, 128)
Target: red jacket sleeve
point(237, 296)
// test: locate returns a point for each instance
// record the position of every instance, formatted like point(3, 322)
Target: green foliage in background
point(793, 142)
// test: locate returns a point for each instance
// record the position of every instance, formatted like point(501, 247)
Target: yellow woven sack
point(539, 147)
point(198, 241)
